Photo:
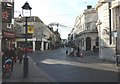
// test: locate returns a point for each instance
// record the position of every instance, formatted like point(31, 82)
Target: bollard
point(116, 60)
point(25, 67)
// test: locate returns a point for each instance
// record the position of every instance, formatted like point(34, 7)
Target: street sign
point(115, 34)
point(30, 29)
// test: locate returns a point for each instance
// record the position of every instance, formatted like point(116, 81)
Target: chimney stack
point(89, 6)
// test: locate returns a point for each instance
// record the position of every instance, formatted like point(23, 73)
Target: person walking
point(8, 53)
point(13, 53)
point(20, 55)
point(66, 52)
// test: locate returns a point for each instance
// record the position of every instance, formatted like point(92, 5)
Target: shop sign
point(6, 12)
point(8, 35)
point(30, 29)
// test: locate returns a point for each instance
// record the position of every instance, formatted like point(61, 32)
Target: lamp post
point(98, 24)
point(115, 35)
point(26, 12)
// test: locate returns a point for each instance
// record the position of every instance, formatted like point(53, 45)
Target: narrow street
point(61, 68)
point(36, 34)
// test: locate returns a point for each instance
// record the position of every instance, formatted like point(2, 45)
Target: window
point(88, 25)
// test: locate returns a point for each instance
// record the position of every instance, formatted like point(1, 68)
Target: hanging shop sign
point(7, 8)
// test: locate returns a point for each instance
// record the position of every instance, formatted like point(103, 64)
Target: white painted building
point(116, 23)
point(85, 32)
point(108, 23)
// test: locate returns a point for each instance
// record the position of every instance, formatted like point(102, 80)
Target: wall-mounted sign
point(8, 35)
point(30, 29)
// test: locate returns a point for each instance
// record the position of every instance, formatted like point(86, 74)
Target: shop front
point(8, 39)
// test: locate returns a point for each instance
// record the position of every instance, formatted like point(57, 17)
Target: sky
point(60, 11)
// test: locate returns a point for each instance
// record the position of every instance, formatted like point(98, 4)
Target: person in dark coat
point(13, 55)
point(20, 55)
point(78, 52)
point(66, 52)
point(94, 48)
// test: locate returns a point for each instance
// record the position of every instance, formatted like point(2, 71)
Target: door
point(88, 43)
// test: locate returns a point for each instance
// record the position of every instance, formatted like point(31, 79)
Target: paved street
point(35, 74)
point(55, 66)
point(62, 68)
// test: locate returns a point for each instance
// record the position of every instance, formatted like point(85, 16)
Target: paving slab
point(35, 74)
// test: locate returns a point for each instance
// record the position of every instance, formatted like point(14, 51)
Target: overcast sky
point(61, 11)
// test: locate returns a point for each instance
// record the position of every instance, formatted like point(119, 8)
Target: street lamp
point(116, 53)
point(98, 24)
point(26, 12)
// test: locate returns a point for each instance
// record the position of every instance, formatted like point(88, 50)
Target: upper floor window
point(88, 26)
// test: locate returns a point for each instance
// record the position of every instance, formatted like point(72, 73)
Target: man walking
point(20, 55)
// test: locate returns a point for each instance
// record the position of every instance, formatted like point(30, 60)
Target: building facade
point(84, 33)
point(0, 27)
point(108, 25)
point(57, 39)
point(70, 40)
point(116, 24)
point(8, 32)
point(39, 36)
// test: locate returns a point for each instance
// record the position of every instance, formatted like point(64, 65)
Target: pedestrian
point(14, 56)
point(81, 54)
point(71, 52)
point(20, 55)
point(78, 52)
point(8, 53)
point(94, 48)
point(66, 52)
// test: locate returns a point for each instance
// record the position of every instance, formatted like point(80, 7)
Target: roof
point(31, 19)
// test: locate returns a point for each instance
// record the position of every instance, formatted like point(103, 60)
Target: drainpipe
point(110, 37)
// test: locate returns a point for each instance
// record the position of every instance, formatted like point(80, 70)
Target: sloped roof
point(31, 19)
